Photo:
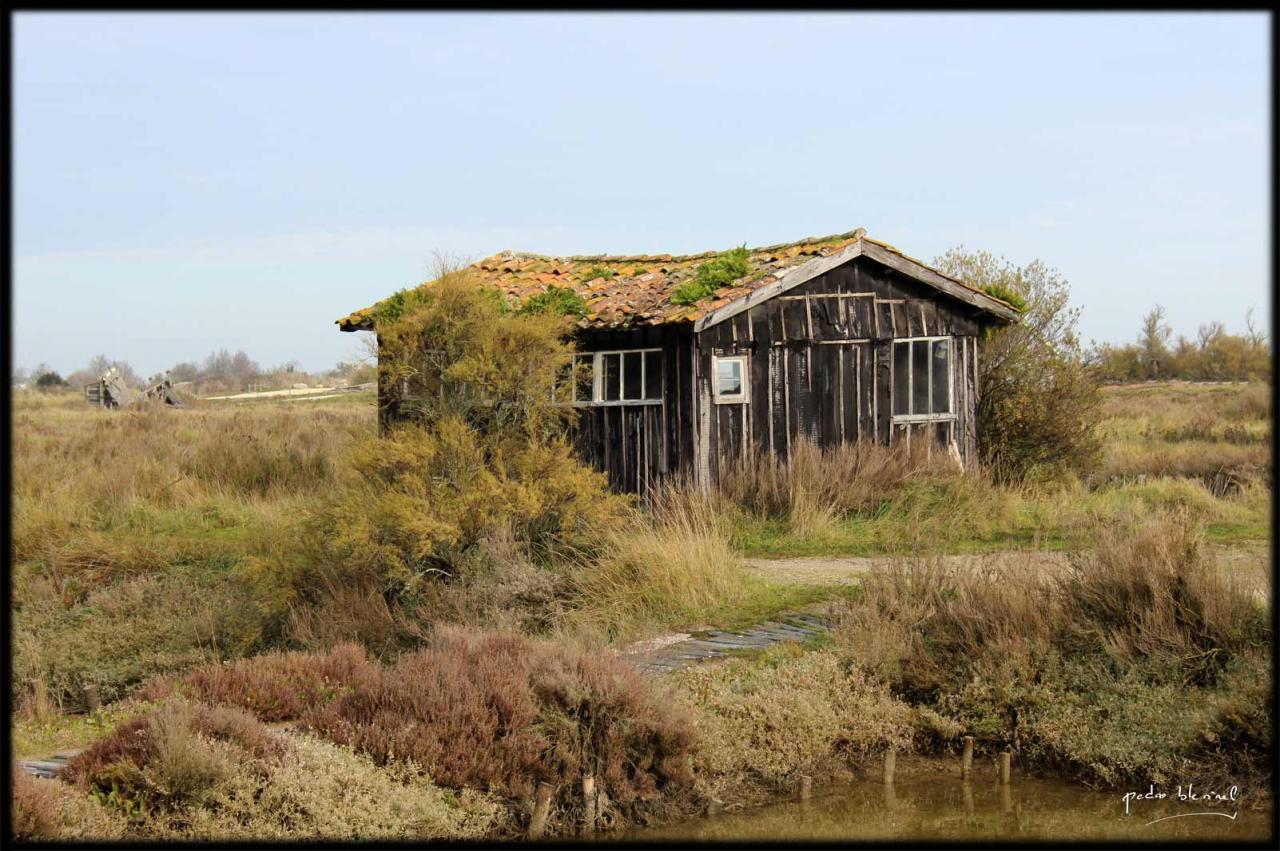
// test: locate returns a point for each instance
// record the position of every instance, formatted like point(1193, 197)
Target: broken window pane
point(583, 369)
point(610, 384)
point(941, 376)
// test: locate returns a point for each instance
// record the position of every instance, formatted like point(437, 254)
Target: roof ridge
point(634, 258)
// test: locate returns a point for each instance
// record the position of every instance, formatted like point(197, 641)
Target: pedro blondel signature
point(1210, 800)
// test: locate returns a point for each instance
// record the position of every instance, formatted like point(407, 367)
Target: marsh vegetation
point(264, 620)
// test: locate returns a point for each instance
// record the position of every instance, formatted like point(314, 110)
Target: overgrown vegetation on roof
point(561, 301)
point(598, 271)
point(720, 271)
point(1008, 295)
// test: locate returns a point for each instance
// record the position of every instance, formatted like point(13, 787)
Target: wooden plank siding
point(821, 366)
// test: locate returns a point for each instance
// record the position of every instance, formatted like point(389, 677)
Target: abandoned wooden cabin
point(837, 338)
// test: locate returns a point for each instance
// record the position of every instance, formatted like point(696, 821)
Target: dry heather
point(48, 810)
point(194, 771)
point(485, 711)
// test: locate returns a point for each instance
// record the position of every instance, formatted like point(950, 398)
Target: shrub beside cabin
point(836, 338)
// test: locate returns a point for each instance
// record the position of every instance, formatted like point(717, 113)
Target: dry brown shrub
point(930, 624)
point(172, 756)
point(502, 712)
point(45, 810)
point(282, 686)
point(1150, 592)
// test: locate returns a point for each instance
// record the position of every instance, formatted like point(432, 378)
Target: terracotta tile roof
point(639, 290)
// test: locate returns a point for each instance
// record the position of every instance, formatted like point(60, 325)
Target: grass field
point(151, 543)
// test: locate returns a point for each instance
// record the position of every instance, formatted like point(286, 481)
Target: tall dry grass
point(1144, 625)
point(135, 533)
point(815, 485)
point(673, 566)
point(1183, 429)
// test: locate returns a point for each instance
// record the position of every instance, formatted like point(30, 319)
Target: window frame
point(951, 384)
point(741, 398)
point(597, 379)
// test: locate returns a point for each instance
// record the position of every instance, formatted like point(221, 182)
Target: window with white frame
point(922, 378)
point(729, 379)
point(627, 377)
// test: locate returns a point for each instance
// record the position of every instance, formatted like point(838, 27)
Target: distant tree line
point(1215, 354)
point(222, 371)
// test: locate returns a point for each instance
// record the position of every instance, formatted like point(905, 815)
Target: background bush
point(1039, 407)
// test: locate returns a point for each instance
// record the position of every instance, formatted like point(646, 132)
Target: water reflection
point(951, 809)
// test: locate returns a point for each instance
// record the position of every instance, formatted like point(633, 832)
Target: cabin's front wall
point(820, 365)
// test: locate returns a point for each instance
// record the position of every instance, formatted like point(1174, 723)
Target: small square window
point(730, 379)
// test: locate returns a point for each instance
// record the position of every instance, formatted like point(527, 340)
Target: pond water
point(937, 808)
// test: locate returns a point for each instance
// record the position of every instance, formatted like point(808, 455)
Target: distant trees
point(1215, 354)
point(98, 366)
point(49, 380)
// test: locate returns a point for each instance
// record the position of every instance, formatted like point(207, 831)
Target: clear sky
point(190, 181)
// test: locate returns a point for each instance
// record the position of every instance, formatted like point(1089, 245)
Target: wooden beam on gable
point(805, 272)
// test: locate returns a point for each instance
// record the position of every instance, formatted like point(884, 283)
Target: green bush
point(1040, 406)
point(477, 450)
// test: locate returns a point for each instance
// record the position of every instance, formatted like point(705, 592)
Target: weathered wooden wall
point(636, 445)
point(821, 361)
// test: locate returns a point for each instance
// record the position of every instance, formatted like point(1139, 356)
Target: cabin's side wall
point(821, 367)
point(639, 444)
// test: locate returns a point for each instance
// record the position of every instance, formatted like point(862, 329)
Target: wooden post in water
point(541, 809)
point(1006, 762)
point(590, 806)
point(966, 759)
point(806, 787)
point(966, 789)
point(890, 763)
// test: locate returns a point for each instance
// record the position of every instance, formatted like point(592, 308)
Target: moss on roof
point(635, 289)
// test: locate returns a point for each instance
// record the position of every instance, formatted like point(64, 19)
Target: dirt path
point(1248, 561)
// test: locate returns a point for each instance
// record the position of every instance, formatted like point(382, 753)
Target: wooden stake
point(806, 787)
point(91, 697)
point(967, 790)
point(966, 759)
point(1006, 761)
point(590, 805)
point(890, 763)
point(541, 809)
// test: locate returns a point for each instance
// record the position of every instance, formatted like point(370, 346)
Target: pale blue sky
point(185, 182)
